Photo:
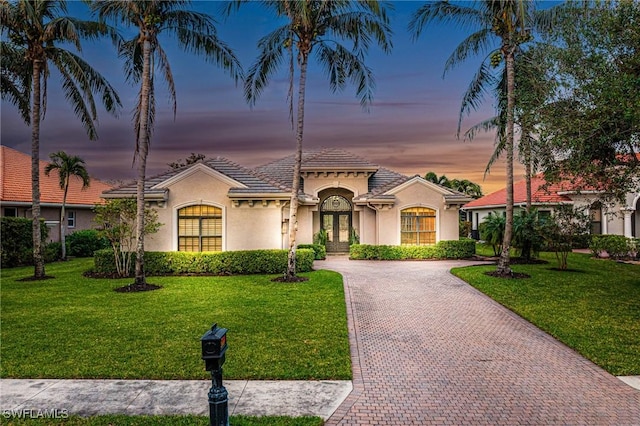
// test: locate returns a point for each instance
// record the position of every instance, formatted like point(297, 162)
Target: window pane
point(200, 228)
point(344, 228)
point(418, 226)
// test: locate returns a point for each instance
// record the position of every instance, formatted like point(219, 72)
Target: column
point(627, 221)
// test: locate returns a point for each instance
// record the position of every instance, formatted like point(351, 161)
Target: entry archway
point(335, 219)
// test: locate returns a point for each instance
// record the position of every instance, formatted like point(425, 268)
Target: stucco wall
point(417, 194)
point(244, 227)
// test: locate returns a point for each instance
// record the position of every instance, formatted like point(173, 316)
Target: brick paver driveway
point(429, 349)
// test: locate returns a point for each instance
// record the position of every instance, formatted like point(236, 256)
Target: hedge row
point(16, 244)
point(616, 246)
point(452, 249)
point(219, 263)
point(319, 250)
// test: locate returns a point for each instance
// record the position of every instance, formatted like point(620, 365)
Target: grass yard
point(77, 327)
point(594, 308)
point(121, 420)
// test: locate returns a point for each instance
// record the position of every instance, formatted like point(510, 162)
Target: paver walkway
point(428, 349)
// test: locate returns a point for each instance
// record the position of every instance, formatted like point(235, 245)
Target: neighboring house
point(15, 194)
point(217, 205)
point(618, 219)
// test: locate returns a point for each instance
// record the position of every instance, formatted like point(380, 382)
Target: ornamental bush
point(319, 249)
point(84, 243)
point(219, 263)
point(616, 246)
point(450, 249)
point(16, 244)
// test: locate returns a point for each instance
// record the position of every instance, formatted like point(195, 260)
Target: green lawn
point(77, 327)
point(594, 309)
point(121, 420)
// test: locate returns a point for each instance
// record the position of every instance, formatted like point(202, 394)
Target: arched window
point(200, 228)
point(418, 226)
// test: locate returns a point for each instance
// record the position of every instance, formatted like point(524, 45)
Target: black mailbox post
point(214, 347)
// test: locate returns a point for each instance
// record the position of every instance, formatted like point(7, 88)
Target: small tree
point(492, 231)
point(117, 222)
point(565, 226)
point(527, 233)
point(67, 166)
point(192, 159)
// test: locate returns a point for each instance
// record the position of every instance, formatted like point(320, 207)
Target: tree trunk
point(295, 187)
point(63, 220)
point(143, 150)
point(503, 263)
point(38, 255)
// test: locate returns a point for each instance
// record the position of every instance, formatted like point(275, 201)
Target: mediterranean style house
point(618, 219)
point(16, 200)
point(217, 205)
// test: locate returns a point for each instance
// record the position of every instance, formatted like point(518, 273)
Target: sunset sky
point(410, 127)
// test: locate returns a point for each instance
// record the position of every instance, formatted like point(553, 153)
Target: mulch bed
point(133, 288)
point(289, 280)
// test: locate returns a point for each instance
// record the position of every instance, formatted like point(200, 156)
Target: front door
point(338, 227)
point(335, 219)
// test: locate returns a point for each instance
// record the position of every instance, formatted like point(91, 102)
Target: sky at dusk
point(410, 127)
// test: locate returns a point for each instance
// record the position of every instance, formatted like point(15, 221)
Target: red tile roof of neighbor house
point(539, 194)
point(15, 182)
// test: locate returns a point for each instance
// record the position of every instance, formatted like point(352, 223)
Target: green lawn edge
point(594, 308)
point(74, 327)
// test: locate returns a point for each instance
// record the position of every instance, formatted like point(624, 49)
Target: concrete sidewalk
point(164, 397)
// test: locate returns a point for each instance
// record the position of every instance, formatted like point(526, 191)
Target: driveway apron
point(428, 349)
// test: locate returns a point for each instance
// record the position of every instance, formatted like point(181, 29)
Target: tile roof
point(15, 183)
point(539, 194)
point(275, 177)
point(252, 180)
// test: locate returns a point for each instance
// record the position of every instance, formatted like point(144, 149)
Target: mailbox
point(214, 346)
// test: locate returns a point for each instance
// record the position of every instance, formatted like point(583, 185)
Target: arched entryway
point(335, 219)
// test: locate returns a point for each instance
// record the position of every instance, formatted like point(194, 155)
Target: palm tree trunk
point(38, 256)
point(526, 146)
point(503, 263)
point(63, 220)
point(295, 187)
point(143, 150)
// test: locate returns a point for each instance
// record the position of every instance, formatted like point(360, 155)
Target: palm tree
point(67, 167)
point(439, 180)
point(320, 26)
point(34, 33)
point(195, 32)
point(508, 22)
point(467, 187)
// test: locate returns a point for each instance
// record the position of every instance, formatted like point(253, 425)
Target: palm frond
point(165, 68)
point(16, 75)
point(476, 43)
point(269, 59)
point(341, 64)
point(445, 13)
point(473, 96)
point(484, 126)
point(212, 50)
point(75, 96)
point(362, 28)
point(130, 51)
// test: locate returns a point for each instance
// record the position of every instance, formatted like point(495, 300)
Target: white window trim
point(69, 218)
point(410, 206)
point(174, 227)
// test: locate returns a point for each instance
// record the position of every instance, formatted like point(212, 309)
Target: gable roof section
point(248, 181)
point(15, 183)
point(539, 195)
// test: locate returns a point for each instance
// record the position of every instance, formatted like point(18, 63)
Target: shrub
point(84, 243)
point(52, 252)
point(452, 249)
point(616, 246)
point(16, 244)
point(319, 250)
point(219, 263)
point(492, 231)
